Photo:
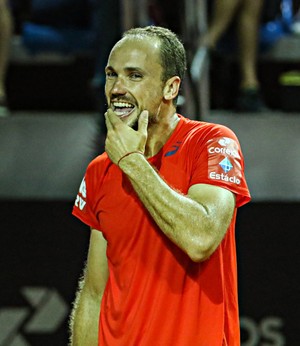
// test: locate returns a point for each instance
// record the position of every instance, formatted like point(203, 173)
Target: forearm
point(84, 321)
point(183, 220)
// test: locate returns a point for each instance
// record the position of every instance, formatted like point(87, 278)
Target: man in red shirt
point(161, 203)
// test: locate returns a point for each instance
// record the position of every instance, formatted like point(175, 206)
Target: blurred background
point(52, 55)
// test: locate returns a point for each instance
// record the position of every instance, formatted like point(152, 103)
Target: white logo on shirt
point(82, 188)
point(224, 177)
point(225, 141)
point(80, 202)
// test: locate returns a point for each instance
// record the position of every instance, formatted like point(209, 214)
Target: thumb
point(143, 122)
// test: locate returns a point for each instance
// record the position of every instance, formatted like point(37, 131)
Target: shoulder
point(201, 131)
point(97, 170)
point(98, 163)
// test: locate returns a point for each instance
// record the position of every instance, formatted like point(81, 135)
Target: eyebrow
point(127, 69)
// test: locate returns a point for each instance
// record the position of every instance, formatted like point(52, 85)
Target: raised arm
point(196, 223)
point(84, 319)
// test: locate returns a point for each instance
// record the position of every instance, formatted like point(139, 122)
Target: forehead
point(131, 51)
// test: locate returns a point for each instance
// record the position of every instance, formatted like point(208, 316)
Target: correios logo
point(224, 177)
point(225, 141)
point(224, 146)
point(226, 151)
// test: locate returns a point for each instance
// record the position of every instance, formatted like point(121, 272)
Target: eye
point(136, 76)
point(110, 74)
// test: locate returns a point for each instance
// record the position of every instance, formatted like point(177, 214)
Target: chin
point(135, 125)
point(131, 121)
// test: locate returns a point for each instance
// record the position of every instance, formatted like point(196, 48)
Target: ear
point(171, 88)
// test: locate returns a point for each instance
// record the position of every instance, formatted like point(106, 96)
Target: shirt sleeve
point(84, 205)
point(219, 161)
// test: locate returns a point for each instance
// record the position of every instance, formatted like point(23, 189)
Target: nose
point(118, 86)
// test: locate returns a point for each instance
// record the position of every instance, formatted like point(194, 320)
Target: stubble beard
point(152, 119)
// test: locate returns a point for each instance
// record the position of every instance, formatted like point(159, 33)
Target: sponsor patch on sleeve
point(224, 160)
point(80, 201)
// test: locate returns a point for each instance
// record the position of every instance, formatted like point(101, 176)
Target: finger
point(113, 118)
point(107, 122)
point(143, 122)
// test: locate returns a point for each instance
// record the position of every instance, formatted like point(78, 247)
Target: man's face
point(133, 79)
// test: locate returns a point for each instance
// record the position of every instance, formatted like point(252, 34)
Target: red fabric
point(155, 294)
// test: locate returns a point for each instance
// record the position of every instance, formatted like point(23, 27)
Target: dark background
point(45, 146)
point(44, 246)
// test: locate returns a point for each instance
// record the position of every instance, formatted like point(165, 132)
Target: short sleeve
point(219, 161)
point(85, 203)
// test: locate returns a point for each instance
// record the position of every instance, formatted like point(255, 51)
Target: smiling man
point(161, 203)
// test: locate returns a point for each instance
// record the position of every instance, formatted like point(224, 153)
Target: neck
point(159, 133)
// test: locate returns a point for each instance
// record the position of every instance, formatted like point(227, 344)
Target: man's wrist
point(131, 153)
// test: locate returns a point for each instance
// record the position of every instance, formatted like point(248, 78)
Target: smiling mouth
point(122, 109)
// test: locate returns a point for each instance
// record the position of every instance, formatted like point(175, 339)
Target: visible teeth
point(121, 113)
point(122, 105)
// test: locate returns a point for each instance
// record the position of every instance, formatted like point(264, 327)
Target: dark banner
point(43, 249)
point(269, 266)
